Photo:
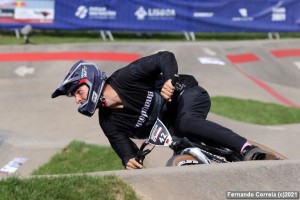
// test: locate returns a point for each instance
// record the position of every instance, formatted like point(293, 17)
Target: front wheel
point(182, 160)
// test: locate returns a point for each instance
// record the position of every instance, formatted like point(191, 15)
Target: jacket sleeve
point(149, 67)
point(120, 141)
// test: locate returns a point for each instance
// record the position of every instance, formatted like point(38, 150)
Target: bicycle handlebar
point(142, 153)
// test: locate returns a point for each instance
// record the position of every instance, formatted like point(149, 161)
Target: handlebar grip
point(174, 79)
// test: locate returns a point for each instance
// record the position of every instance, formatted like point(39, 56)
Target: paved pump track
point(35, 126)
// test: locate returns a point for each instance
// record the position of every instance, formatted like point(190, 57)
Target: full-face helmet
point(83, 73)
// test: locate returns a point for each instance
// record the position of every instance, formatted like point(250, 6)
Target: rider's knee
point(185, 122)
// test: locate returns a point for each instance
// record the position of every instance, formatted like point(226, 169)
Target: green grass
point(254, 111)
point(61, 36)
point(79, 157)
point(66, 187)
point(76, 157)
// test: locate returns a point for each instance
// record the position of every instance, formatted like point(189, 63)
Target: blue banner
point(154, 15)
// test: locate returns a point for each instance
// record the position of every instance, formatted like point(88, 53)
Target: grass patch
point(79, 157)
point(71, 187)
point(81, 36)
point(254, 111)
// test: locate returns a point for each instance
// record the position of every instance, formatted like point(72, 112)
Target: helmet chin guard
point(83, 73)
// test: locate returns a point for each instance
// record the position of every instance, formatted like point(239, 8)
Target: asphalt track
point(35, 127)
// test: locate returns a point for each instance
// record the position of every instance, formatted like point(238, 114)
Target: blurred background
point(168, 20)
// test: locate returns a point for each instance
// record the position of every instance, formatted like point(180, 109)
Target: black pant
point(190, 121)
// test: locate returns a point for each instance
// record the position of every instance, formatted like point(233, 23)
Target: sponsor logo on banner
point(141, 13)
point(155, 13)
point(25, 11)
point(203, 14)
point(7, 13)
point(95, 12)
point(81, 12)
point(243, 15)
point(279, 14)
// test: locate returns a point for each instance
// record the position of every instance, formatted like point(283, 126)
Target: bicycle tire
point(182, 160)
point(278, 155)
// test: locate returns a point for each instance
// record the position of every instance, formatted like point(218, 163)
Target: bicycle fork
point(196, 153)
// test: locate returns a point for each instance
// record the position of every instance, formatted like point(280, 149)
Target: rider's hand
point(133, 164)
point(167, 90)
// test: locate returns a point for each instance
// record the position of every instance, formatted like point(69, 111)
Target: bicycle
point(191, 153)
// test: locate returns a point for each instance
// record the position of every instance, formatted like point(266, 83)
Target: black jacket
point(138, 85)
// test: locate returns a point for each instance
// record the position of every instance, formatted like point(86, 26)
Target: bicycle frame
point(160, 136)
